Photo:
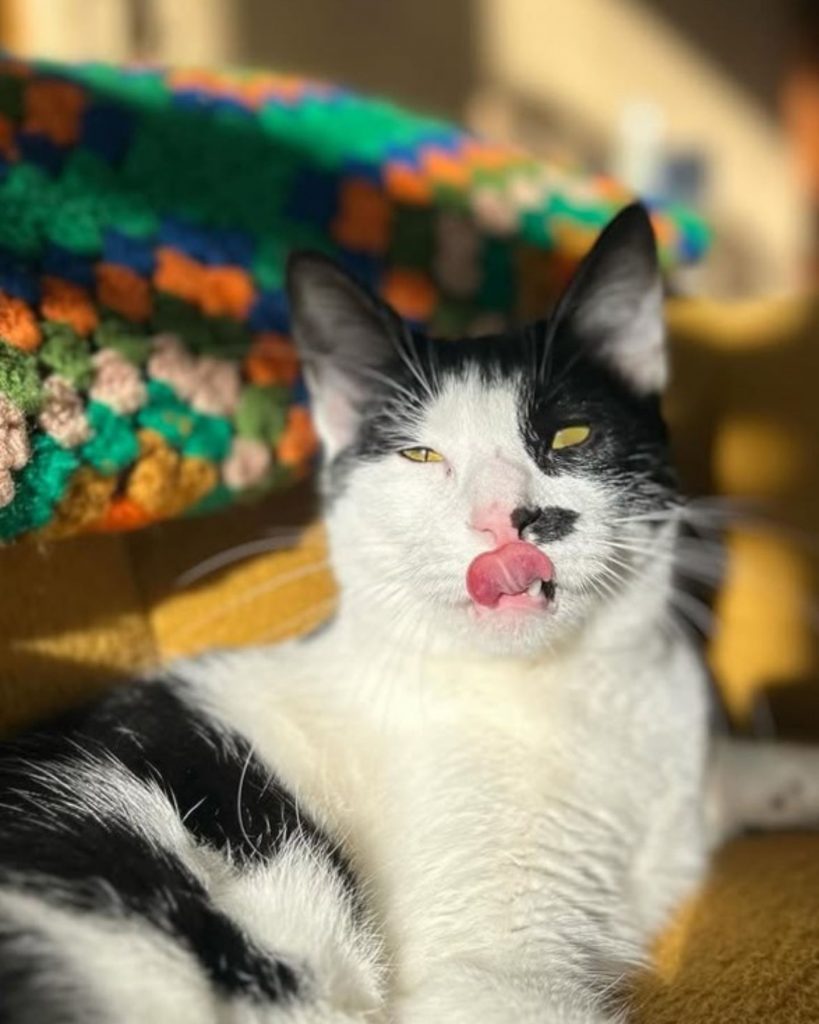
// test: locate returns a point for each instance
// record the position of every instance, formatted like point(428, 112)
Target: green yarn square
point(124, 337)
point(39, 487)
point(262, 412)
point(114, 444)
point(187, 431)
point(64, 352)
point(19, 378)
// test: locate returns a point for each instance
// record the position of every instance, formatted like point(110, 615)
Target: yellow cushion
point(745, 412)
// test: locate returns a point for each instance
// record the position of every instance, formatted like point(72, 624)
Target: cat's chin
point(519, 625)
point(511, 606)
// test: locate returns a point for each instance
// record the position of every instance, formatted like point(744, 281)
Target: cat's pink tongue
point(511, 569)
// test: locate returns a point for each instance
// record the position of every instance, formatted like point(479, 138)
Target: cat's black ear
point(345, 337)
point(614, 303)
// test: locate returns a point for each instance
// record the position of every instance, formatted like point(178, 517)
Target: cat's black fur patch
point(545, 525)
point(560, 383)
point(227, 798)
point(628, 443)
point(108, 868)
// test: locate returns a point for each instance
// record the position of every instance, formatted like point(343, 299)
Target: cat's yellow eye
point(570, 437)
point(421, 455)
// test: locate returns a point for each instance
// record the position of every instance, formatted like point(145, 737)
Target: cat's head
point(497, 491)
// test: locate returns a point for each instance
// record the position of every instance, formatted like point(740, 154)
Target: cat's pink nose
point(496, 521)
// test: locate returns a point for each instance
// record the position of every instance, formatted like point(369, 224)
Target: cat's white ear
point(614, 303)
point(344, 336)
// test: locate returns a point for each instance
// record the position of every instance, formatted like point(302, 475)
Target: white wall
point(589, 57)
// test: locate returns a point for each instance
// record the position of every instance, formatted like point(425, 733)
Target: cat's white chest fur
point(524, 805)
point(504, 814)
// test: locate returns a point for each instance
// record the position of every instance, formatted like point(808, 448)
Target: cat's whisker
point(684, 547)
point(714, 572)
point(371, 373)
point(403, 346)
point(683, 560)
point(317, 612)
point(267, 586)
point(433, 364)
point(658, 516)
point(238, 553)
point(722, 515)
point(696, 611)
point(239, 806)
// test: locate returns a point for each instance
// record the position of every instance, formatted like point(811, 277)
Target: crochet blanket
point(145, 219)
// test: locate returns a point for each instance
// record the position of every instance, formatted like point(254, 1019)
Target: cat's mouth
point(515, 576)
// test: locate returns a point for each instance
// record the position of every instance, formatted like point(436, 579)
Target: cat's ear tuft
point(614, 303)
point(344, 336)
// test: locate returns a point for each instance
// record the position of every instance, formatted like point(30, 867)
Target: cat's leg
point(127, 896)
point(761, 785)
point(76, 955)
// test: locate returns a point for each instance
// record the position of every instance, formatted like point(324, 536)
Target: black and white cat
point(477, 793)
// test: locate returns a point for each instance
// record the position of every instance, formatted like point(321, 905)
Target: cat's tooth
point(534, 589)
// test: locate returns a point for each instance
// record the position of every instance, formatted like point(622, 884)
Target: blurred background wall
point(715, 103)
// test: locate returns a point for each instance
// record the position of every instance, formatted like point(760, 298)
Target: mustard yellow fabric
point(71, 621)
point(745, 411)
point(80, 614)
point(746, 951)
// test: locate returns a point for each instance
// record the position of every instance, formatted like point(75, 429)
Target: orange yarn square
point(363, 221)
point(122, 514)
point(18, 325)
point(407, 185)
point(271, 360)
point(299, 441)
point(8, 133)
point(69, 304)
point(178, 274)
point(183, 79)
point(218, 291)
point(53, 109)
point(411, 293)
point(124, 291)
point(492, 157)
point(445, 169)
point(227, 291)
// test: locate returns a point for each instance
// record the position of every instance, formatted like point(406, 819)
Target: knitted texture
point(145, 219)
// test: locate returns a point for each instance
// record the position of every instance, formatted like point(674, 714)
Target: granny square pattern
point(145, 218)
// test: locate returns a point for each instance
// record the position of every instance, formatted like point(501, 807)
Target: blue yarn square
point(40, 150)
point(236, 247)
point(71, 266)
point(366, 169)
point(270, 312)
point(299, 393)
point(192, 99)
point(213, 246)
point(365, 267)
point(106, 129)
point(136, 253)
point(17, 278)
point(314, 197)
point(404, 153)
